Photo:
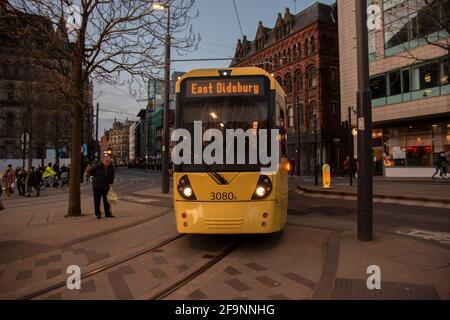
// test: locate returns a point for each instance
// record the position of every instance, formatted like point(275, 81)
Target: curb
point(444, 201)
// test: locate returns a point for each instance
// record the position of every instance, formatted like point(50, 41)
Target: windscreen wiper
point(214, 173)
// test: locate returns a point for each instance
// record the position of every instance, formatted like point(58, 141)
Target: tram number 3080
point(222, 196)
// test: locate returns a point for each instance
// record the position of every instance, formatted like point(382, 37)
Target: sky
point(219, 30)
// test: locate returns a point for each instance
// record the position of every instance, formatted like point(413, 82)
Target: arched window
point(290, 116)
point(312, 44)
point(298, 81)
point(284, 60)
point(312, 78)
point(307, 46)
point(288, 55)
point(288, 82)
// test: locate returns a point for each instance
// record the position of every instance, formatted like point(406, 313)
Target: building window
point(395, 86)
point(288, 81)
point(425, 76)
point(406, 20)
point(312, 110)
point(445, 70)
point(290, 116)
point(312, 78)
point(405, 81)
point(378, 86)
point(298, 81)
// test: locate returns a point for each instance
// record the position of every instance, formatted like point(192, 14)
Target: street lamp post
point(350, 144)
point(298, 148)
point(165, 147)
point(364, 123)
point(316, 167)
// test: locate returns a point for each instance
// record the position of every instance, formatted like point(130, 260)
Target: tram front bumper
point(228, 217)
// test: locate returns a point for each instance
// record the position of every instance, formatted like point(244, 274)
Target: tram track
point(199, 269)
point(163, 289)
point(95, 270)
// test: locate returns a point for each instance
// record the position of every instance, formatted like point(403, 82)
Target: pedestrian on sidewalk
point(33, 181)
point(64, 176)
point(103, 174)
point(438, 165)
point(346, 166)
point(8, 179)
point(444, 166)
point(21, 181)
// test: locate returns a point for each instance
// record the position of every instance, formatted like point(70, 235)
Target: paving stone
point(53, 273)
point(181, 267)
point(94, 256)
point(302, 280)
point(118, 283)
point(79, 251)
point(268, 281)
point(348, 289)
point(56, 296)
point(54, 258)
point(278, 296)
point(88, 286)
point(66, 249)
point(255, 266)
point(23, 275)
point(158, 273)
point(232, 271)
point(237, 284)
point(41, 262)
point(197, 295)
point(160, 260)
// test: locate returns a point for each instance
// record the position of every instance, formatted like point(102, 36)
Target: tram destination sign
point(224, 87)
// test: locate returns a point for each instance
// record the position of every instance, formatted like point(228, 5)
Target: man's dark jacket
point(103, 176)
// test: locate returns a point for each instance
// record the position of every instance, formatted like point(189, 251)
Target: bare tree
point(426, 21)
point(102, 39)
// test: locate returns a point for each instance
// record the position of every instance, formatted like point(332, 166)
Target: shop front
point(410, 149)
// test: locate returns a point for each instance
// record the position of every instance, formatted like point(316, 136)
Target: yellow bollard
point(326, 175)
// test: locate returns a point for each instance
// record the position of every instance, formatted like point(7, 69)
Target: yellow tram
point(225, 197)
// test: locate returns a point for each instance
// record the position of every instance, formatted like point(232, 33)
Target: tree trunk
point(74, 209)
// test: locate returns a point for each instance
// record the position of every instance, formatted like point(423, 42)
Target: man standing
point(103, 174)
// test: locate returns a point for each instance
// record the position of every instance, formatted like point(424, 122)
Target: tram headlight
point(263, 188)
point(187, 192)
point(185, 188)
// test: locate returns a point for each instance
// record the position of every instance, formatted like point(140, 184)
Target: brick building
point(301, 51)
